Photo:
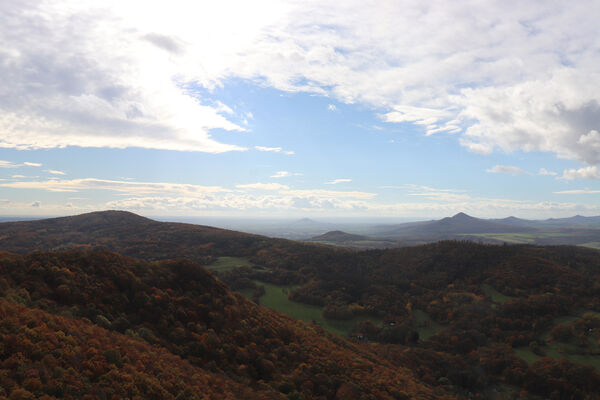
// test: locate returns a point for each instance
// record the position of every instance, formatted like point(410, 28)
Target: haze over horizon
point(300, 109)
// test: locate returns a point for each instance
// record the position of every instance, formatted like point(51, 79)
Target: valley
point(464, 317)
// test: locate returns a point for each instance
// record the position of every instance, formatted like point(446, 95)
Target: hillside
point(177, 314)
point(464, 317)
point(131, 235)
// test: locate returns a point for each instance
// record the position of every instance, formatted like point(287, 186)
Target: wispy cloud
point(590, 172)
point(434, 120)
point(281, 174)
point(54, 172)
point(505, 169)
point(544, 171)
point(273, 150)
point(263, 186)
point(446, 195)
point(329, 194)
point(10, 164)
point(331, 107)
point(129, 187)
point(578, 191)
point(336, 181)
point(285, 174)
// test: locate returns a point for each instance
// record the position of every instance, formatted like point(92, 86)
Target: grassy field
point(425, 325)
point(495, 295)
point(518, 237)
point(558, 350)
point(228, 263)
point(276, 298)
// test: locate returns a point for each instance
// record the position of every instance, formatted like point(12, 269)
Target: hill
point(465, 317)
point(449, 227)
point(131, 235)
point(112, 323)
point(338, 236)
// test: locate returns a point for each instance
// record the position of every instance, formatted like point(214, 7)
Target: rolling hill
point(464, 317)
point(97, 323)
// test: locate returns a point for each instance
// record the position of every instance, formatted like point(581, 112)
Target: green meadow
point(569, 351)
point(495, 295)
point(228, 263)
point(425, 325)
point(276, 298)
point(519, 237)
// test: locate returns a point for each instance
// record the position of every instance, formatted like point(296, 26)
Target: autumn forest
point(112, 305)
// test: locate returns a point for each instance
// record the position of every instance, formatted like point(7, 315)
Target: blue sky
point(290, 109)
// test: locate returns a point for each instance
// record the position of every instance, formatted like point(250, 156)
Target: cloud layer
point(498, 75)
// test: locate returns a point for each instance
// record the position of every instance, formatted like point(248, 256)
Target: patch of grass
point(519, 237)
point(228, 263)
point(425, 325)
point(568, 351)
point(558, 351)
point(276, 298)
point(495, 295)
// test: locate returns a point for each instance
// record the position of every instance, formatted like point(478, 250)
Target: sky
point(399, 109)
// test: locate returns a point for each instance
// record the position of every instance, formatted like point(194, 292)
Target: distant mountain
point(306, 221)
point(338, 236)
point(448, 227)
point(514, 221)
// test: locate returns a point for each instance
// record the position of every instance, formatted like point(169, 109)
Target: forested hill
point(135, 236)
point(464, 317)
point(94, 322)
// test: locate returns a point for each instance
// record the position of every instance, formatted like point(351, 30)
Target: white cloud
point(509, 77)
point(281, 174)
point(263, 186)
point(336, 181)
point(329, 194)
point(7, 164)
point(126, 187)
point(505, 169)
point(436, 194)
point(55, 172)
point(544, 171)
point(274, 150)
point(331, 107)
point(590, 172)
point(578, 191)
point(115, 83)
point(427, 117)
point(10, 164)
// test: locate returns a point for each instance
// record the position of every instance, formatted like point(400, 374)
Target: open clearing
point(228, 263)
point(425, 325)
point(495, 295)
point(276, 298)
point(569, 351)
